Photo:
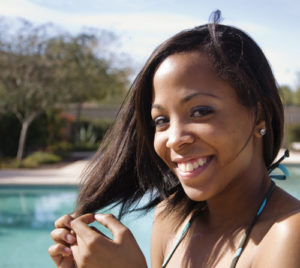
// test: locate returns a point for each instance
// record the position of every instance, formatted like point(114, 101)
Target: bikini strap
point(280, 166)
point(183, 233)
point(240, 249)
point(247, 233)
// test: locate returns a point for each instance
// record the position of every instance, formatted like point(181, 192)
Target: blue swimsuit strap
point(244, 239)
point(242, 244)
point(278, 165)
point(247, 233)
point(183, 233)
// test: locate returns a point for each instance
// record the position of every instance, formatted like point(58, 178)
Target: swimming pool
point(27, 215)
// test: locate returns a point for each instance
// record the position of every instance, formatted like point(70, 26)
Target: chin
point(196, 194)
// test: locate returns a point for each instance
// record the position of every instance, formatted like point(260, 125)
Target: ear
point(260, 128)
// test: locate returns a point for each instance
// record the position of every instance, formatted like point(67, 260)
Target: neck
point(238, 203)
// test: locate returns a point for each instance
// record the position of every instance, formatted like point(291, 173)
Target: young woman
point(199, 132)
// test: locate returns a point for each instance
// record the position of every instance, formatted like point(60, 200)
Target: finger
point(61, 256)
point(64, 221)
point(118, 230)
point(63, 235)
point(81, 228)
point(58, 251)
point(76, 254)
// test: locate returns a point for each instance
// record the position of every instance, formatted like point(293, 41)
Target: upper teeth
point(192, 165)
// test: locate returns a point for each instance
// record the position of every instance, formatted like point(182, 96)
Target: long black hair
point(126, 165)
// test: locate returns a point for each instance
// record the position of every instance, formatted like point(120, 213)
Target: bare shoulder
point(161, 232)
point(280, 246)
point(287, 226)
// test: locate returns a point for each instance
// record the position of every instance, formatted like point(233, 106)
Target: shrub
point(9, 163)
point(38, 158)
point(46, 129)
point(90, 133)
point(32, 161)
point(60, 147)
point(293, 133)
point(96, 126)
point(44, 157)
point(9, 135)
point(29, 163)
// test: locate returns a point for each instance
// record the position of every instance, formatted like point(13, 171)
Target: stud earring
point(262, 131)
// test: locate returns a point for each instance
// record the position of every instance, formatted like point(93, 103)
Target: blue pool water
point(27, 215)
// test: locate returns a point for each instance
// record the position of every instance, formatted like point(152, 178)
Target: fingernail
point(70, 238)
point(99, 217)
point(70, 223)
point(68, 251)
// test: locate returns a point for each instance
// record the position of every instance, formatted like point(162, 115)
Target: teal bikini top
point(254, 220)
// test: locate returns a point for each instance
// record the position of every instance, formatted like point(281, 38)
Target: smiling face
point(202, 132)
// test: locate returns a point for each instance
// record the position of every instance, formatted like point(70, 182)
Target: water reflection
point(47, 207)
point(34, 207)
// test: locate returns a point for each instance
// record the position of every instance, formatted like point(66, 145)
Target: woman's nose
point(178, 136)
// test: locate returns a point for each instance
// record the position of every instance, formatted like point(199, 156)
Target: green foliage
point(58, 127)
point(286, 95)
point(87, 139)
point(297, 97)
point(87, 135)
point(52, 132)
point(61, 148)
point(32, 161)
point(46, 129)
point(40, 72)
point(97, 127)
point(91, 133)
point(9, 163)
point(293, 133)
point(42, 158)
point(9, 135)
point(28, 163)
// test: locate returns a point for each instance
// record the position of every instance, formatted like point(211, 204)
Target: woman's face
point(202, 132)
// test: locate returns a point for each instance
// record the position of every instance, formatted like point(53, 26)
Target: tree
point(87, 72)
point(40, 71)
point(297, 96)
point(29, 86)
point(287, 95)
point(297, 92)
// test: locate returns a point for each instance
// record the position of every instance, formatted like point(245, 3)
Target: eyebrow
point(192, 95)
point(187, 98)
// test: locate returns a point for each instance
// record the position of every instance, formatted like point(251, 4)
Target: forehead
point(185, 62)
point(192, 71)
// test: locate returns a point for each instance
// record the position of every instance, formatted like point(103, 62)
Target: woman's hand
point(63, 237)
point(93, 249)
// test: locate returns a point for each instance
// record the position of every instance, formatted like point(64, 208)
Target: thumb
point(118, 230)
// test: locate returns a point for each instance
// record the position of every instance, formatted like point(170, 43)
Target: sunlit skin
point(198, 116)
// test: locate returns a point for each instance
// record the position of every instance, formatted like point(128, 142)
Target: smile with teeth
point(190, 166)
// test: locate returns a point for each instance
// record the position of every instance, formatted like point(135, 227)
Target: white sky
point(144, 24)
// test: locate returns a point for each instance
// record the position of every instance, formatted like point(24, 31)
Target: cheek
point(224, 136)
point(159, 146)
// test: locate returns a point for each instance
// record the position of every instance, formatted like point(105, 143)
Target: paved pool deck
point(70, 174)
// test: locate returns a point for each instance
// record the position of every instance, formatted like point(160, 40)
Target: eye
point(200, 111)
point(160, 121)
